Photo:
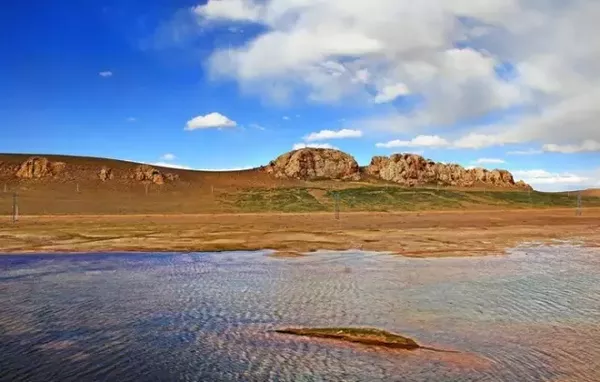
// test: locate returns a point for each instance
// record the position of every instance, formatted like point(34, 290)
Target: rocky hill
point(405, 169)
point(314, 164)
point(307, 164)
point(42, 168)
point(414, 170)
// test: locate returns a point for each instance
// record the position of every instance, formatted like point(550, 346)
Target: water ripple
point(530, 316)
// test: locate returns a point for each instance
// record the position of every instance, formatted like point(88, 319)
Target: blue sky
point(233, 84)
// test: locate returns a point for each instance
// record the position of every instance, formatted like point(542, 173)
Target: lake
point(533, 315)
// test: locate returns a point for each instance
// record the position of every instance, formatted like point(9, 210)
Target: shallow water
point(531, 316)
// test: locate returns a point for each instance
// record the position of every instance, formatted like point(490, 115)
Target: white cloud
point(131, 119)
point(168, 157)
point(299, 146)
point(543, 177)
point(257, 126)
point(420, 141)
point(225, 169)
point(586, 146)
point(391, 92)
point(171, 165)
point(212, 120)
point(331, 134)
point(233, 10)
point(490, 161)
point(327, 51)
point(286, 118)
point(105, 74)
point(525, 152)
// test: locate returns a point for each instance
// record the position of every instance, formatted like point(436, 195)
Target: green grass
point(535, 199)
point(396, 198)
point(392, 198)
point(276, 200)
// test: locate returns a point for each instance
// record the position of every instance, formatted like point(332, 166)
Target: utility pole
point(579, 205)
point(15, 208)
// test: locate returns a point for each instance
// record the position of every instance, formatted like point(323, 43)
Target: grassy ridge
point(309, 198)
point(371, 198)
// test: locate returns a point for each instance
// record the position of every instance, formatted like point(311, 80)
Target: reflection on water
point(532, 316)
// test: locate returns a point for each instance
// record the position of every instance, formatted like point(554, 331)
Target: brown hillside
point(591, 192)
point(301, 181)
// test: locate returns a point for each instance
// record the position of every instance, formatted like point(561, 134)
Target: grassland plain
point(241, 210)
point(168, 199)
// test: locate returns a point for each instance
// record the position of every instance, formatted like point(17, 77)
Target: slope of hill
point(303, 181)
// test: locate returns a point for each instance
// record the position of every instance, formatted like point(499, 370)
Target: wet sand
point(422, 234)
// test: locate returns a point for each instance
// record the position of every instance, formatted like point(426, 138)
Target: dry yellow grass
point(450, 233)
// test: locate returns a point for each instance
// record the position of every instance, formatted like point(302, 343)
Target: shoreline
point(408, 234)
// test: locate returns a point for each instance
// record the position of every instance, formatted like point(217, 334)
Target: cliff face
point(312, 164)
point(414, 170)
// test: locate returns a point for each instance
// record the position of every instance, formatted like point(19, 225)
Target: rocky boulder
point(105, 174)
point(413, 170)
point(313, 164)
point(145, 173)
point(39, 167)
point(171, 177)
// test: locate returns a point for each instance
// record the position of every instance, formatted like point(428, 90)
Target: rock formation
point(105, 174)
point(39, 167)
point(313, 164)
point(413, 170)
point(146, 173)
point(171, 177)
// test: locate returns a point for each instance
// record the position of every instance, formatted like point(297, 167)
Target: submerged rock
point(366, 336)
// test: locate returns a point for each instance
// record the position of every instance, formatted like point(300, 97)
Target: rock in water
point(414, 170)
point(314, 164)
point(39, 167)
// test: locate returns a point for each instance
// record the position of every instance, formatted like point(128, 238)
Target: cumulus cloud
point(420, 141)
point(168, 157)
point(131, 119)
point(585, 146)
point(543, 177)
point(208, 121)
point(391, 92)
point(105, 74)
point(464, 59)
point(299, 146)
point(331, 134)
point(490, 161)
point(525, 152)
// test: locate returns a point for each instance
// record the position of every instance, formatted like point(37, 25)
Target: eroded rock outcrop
point(312, 164)
point(146, 173)
point(414, 170)
point(105, 174)
point(39, 167)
